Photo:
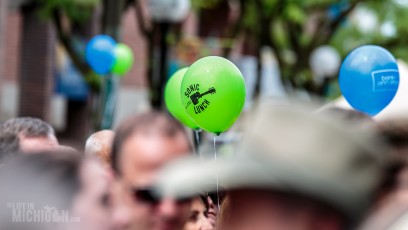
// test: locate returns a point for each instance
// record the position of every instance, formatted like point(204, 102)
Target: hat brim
point(192, 176)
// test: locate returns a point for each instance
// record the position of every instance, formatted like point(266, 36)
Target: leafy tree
point(295, 28)
point(389, 29)
point(74, 22)
point(66, 16)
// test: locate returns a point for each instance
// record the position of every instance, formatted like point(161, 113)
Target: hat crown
point(311, 151)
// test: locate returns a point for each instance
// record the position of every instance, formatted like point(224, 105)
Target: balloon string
point(215, 158)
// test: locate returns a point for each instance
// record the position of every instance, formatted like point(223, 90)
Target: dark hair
point(150, 122)
point(204, 199)
point(9, 146)
point(395, 132)
point(28, 126)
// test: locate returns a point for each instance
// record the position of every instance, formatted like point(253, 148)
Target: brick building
point(23, 79)
point(133, 89)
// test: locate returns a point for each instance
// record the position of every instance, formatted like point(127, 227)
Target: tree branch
point(278, 9)
point(64, 38)
point(320, 27)
point(236, 28)
point(269, 40)
point(336, 23)
point(293, 34)
point(331, 27)
point(140, 20)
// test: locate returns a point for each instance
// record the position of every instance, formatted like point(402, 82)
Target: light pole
point(111, 25)
point(163, 13)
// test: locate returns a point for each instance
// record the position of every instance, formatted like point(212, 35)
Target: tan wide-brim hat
point(288, 149)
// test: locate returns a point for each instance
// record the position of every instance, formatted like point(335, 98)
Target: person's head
point(8, 146)
point(99, 145)
point(278, 210)
point(391, 206)
point(34, 135)
point(59, 181)
point(395, 133)
point(188, 50)
point(214, 201)
point(143, 144)
point(293, 170)
point(198, 217)
point(93, 202)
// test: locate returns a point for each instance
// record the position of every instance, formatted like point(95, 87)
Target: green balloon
point(173, 100)
point(123, 59)
point(213, 93)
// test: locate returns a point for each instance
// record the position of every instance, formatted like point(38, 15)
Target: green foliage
point(349, 36)
point(296, 27)
point(75, 10)
point(250, 20)
point(269, 5)
point(94, 81)
point(206, 4)
point(294, 13)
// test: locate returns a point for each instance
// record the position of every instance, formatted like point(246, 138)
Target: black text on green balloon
point(191, 89)
point(200, 108)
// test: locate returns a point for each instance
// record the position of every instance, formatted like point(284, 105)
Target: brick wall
point(12, 47)
point(131, 36)
point(3, 18)
point(36, 67)
point(129, 33)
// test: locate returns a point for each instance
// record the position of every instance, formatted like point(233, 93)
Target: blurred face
point(212, 212)
point(37, 144)
point(198, 219)
point(263, 210)
point(92, 203)
point(141, 158)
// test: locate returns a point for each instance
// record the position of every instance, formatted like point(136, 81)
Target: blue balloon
point(100, 53)
point(369, 79)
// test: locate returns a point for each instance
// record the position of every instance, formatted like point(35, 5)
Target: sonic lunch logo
point(193, 93)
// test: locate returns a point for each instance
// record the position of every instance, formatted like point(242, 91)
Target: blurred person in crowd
point(213, 202)
point(392, 204)
point(99, 145)
point(293, 171)
point(34, 135)
point(198, 218)
point(53, 191)
point(142, 145)
point(223, 213)
point(92, 203)
point(188, 51)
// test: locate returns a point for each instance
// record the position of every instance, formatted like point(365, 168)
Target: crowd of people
point(293, 168)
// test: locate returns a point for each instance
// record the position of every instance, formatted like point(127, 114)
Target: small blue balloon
point(100, 53)
point(369, 79)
